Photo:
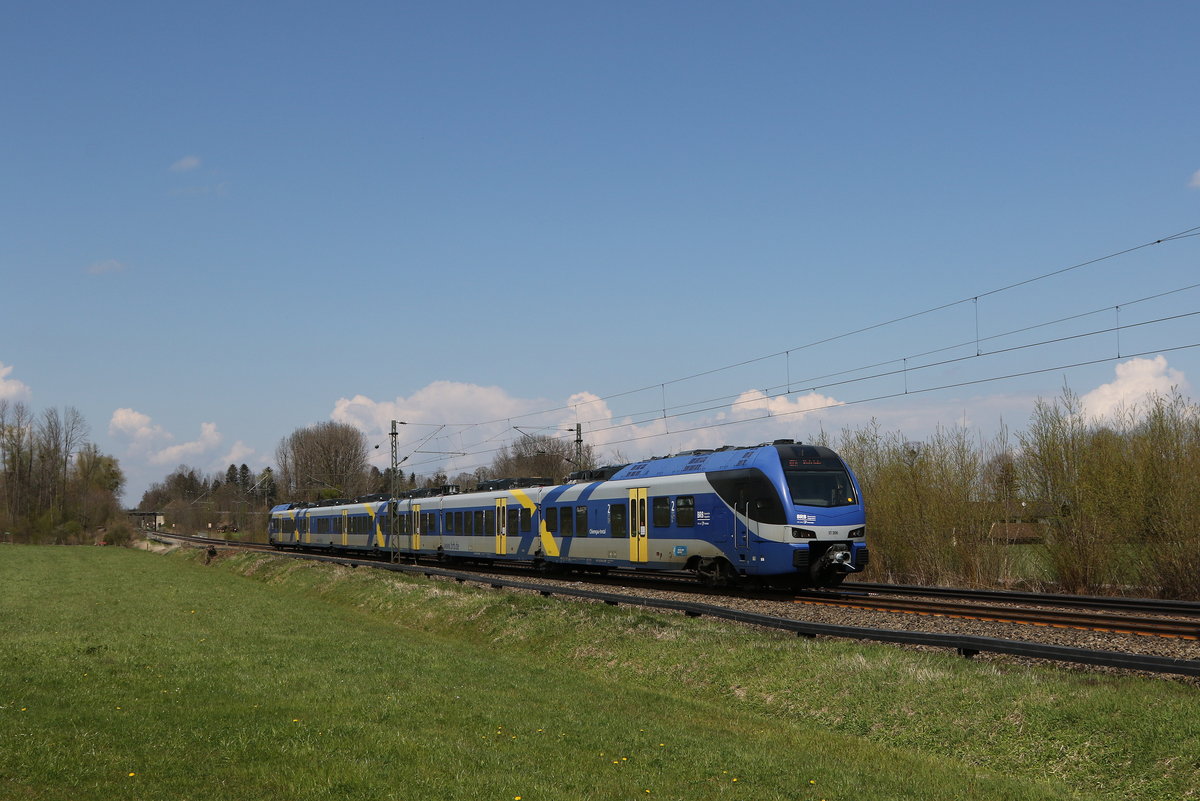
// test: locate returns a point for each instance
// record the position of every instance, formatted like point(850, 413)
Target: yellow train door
point(501, 526)
point(639, 534)
point(416, 527)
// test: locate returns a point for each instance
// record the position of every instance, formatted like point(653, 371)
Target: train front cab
point(796, 517)
point(827, 523)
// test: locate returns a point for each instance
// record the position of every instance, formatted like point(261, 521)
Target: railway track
point(735, 606)
point(1148, 605)
point(1004, 613)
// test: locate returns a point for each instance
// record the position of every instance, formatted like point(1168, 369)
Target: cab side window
point(685, 511)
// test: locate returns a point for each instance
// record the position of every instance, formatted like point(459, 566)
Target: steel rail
point(966, 646)
point(963, 645)
point(1057, 618)
point(1149, 605)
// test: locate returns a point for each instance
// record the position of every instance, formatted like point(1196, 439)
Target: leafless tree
point(44, 496)
point(16, 453)
point(57, 438)
point(538, 455)
point(322, 460)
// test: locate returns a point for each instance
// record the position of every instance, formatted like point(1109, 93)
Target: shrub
point(119, 534)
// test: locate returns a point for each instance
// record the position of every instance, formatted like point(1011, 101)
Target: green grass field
point(129, 675)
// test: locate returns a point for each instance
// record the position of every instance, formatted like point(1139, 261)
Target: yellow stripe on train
point(549, 544)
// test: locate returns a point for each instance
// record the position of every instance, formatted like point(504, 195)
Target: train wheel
point(714, 572)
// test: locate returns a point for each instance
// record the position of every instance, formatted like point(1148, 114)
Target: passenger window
point(581, 521)
point(526, 519)
point(479, 529)
point(567, 529)
point(618, 521)
point(685, 511)
point(661, 509)
point(514, 521)
point(551, 515)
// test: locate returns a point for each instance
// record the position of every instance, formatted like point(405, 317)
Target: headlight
point(803, 533)
point(861, 531)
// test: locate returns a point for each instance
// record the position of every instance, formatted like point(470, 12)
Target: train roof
point(726, 458)
point(729, 457)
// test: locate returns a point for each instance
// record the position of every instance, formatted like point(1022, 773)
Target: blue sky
point(225, 221)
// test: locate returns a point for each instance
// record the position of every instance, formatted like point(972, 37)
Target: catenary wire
point(662, 412)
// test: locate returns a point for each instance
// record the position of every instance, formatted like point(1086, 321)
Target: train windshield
point(820, 488)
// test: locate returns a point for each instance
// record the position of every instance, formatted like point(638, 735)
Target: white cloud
point(239, 453)
point(186, 164)
point(753, 403)
point(454, 403)
point(136, 426)
point(753, 418)
point(178, 454)
point(147, 439)
point(1195, 182)
point(441, 401)
point(11, 388)
point(1136, 380)
point(106, 266)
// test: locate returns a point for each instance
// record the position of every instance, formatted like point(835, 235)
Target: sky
point(677, 224)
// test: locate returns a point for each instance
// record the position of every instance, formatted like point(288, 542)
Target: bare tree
point(323, 460)
point(16, 457)
point(57, 437)
point(537, 455)
point(43, 495)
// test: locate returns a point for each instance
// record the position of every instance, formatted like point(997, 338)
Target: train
point(779, 513)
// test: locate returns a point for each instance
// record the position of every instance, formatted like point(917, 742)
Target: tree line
point(1069, 503)
point(1104, 507)
point(1072, 503)
point(331, 460)
point(55, 485)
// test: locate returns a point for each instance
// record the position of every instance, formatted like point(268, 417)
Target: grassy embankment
point(125, 675)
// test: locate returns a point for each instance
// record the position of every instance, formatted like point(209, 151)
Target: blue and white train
point(779, 513)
